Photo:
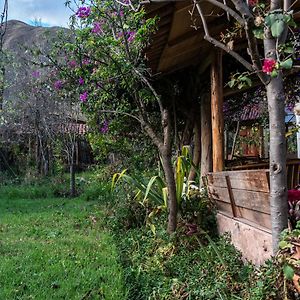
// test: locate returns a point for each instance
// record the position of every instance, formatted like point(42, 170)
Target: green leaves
point(284, 245)
point(288, 272)
point(258, 33)
point(287, 64)
point(274, 73)
point(277, 21)
point(240, 81)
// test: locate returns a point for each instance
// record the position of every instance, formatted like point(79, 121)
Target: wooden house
point(242, 196)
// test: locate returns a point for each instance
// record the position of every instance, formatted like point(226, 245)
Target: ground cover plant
point(55, 248)
point(100, 246)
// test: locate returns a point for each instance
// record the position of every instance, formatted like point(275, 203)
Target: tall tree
point(109, 71)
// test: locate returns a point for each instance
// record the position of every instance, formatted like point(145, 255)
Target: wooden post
point(231, 198)
point(206, 147)
point(217, 112)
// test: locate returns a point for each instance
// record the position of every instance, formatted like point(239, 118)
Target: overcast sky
point(49, 12)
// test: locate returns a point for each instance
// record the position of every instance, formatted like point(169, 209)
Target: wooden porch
point(241, 193)
point(242, 199)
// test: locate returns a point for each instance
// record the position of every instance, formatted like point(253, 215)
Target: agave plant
point(154, 193)
point(154, 189)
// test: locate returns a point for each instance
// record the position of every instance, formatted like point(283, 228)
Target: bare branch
point(220, 45)
point(149, 85)
point(251, 39)
point(121, 113)
point(228, 10)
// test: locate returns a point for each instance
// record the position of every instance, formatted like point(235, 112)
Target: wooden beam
point(217, 116)
point(206, 145)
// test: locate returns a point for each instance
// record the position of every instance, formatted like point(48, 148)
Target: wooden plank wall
point(292, 169)
point(242, 194)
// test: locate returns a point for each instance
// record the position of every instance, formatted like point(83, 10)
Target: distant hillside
point(18, 37)
point(19, 33)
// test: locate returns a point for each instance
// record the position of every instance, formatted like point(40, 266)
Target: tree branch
point(218, 44)
point(149, 85)
point(251, 39)
point(228, 10)
point(121, 113)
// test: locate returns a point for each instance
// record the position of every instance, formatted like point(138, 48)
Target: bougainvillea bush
point(105, 63)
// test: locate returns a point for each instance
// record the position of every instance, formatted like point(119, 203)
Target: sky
point(46, 12)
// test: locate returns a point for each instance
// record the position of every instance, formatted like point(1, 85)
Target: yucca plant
point(153, 191)
point(185, 189)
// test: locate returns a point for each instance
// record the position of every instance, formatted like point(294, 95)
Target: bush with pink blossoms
point(269, 65)
point(83, 12)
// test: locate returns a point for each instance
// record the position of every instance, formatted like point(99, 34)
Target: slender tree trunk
point(72, 173)
point(188, 129)
point(206, 136)
point(197, 150)
point(170, 179)
point(217, 112)
point(164, 147)
point(38, 155)
point(278, 181)
point(2, 79)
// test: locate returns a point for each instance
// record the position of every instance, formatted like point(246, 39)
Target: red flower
point(269, 65)
point(293, 195)
point(252, 2)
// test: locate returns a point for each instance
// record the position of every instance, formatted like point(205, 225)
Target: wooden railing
point(242, 194)
point(293, 170)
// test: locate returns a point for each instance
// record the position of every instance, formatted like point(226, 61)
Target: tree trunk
point(196, 151)
point(188, 129)
point(278, 181)
point(278, 178)
point(206, 136)
point(164, 147)
point(2, 83)
point(72, 173)
point(217, 112)
point(172, 201)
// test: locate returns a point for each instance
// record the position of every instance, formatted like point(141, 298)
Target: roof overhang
point(179, 41)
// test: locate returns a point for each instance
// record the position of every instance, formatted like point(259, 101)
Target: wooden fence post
point(217, 112)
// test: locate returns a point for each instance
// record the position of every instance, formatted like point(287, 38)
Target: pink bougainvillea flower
point(97, 28)
point(83, 97)
point(36, 74)
point(72, 64)
point(269, 65)
point(293, 195)
point(58, 84)
point(130, 36)
point(192, 229)
point(86, 61)
point(81, 81)
point(83, 12)
point(104, 128)
point(252, 2)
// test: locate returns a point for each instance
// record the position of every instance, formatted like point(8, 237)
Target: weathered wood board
point(243, 194)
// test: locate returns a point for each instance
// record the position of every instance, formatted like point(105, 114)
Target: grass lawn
point(55, 249)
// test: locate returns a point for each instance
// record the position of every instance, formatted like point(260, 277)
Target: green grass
point(55, 249)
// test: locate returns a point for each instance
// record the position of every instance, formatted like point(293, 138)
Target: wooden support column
point(206, 130)
point(217, 112)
